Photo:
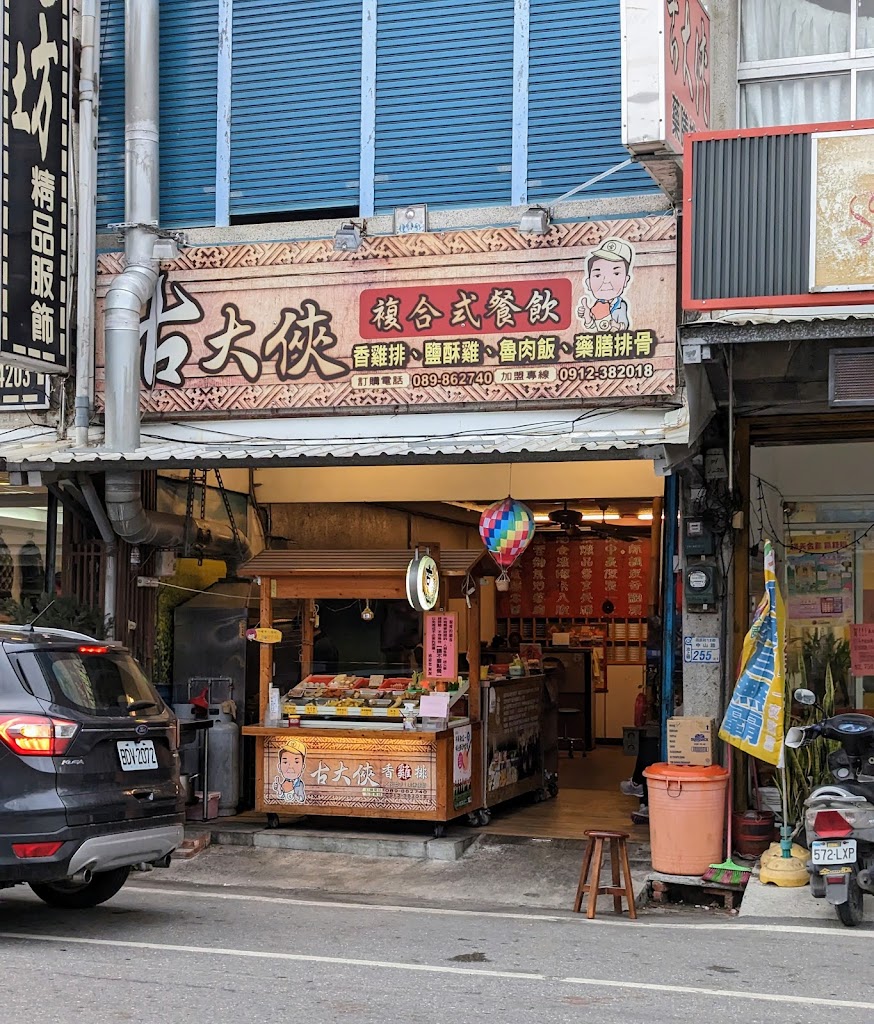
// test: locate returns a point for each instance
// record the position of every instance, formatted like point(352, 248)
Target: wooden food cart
point(364, 759)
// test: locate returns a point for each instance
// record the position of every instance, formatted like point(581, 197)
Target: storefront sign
point(687, 70)
point(862, 649)
point(462, 756)
point(842, 211)
point(441, 647)
point(458, 318)
point(263, 635)
point(335, 771)
point(566, 577)
point(36, 61)
point(701, 650)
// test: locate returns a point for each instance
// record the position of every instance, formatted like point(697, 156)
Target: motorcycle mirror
point(795, 738)
point(807, 697)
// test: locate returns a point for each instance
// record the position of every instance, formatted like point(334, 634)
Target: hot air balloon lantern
point(506, 528)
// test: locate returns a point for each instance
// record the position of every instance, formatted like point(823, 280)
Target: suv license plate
point(842, 851)
point(136, 756)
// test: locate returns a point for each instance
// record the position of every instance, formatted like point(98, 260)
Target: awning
point(545, 434)
point(453, 562)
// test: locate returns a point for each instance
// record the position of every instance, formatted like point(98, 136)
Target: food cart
point(362, 746)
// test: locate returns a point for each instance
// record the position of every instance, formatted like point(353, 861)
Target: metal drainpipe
point(126, 297)
point(88, 82)
point(132, 289)
point(107, 535)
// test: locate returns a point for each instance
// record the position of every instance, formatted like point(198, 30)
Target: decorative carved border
point(432, 243)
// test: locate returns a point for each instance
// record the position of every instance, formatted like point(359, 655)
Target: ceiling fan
point(612, 531)
point(567, 519)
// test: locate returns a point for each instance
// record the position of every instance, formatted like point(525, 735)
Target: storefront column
point(702, 680)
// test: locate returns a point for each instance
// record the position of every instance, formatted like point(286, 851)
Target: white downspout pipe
point(87, 244)
point(132, 289)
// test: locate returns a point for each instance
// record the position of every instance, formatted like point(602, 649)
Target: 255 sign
point(36, 60)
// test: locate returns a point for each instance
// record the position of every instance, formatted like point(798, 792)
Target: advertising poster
point(461, 766)
point(820, 579)
point(336, 771)
point(441, 647)
point(515, 752)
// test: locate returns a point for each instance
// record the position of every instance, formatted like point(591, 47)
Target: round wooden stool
point(593, 856)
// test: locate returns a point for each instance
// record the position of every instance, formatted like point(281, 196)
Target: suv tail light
point(27, 851)
point(35, 735)
point(831, 825)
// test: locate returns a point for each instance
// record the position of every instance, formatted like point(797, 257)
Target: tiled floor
point(588, 798)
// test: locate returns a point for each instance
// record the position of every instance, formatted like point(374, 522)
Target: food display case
point(367, 745)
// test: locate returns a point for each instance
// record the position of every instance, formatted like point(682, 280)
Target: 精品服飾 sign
point(36, 73)
point(441, 647)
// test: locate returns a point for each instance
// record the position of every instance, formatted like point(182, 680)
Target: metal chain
point(229, 510)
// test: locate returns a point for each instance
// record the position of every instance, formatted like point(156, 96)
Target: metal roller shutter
point(444, 102)
point(296, 107)
point(574, 119)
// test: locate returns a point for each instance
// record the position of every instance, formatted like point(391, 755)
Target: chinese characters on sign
point(596, 322)
point(33, 323)
point(334, 771)
point(462, 764)
point(441, 647)
point(687, 70)
point(572, 577)
point(862, 649)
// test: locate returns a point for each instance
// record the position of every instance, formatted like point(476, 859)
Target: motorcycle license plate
point(840, 851)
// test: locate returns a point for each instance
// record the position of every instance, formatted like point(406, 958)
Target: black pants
point(648, 753)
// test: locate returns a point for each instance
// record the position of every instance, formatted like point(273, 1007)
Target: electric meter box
point(698, 539)
point(700, 586)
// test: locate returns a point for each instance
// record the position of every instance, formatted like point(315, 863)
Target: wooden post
point(265, 675)
point(473, 658)
point(655, 557)
point(307, 638)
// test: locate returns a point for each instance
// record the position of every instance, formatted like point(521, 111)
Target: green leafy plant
point(822, 651)
point(57, 613)
point(806, 767)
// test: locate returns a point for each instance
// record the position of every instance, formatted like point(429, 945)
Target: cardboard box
point(690, 741)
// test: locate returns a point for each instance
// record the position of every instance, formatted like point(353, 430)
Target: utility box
point(690, 741)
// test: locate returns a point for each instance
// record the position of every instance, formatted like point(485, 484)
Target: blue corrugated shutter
point(188, 113)
point(444, 102)
point(189, 67)
point(110, 149)
point(296, 106)
point(574, 117)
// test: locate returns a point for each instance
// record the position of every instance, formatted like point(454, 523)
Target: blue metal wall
point(574, 118)
point(443, 105)
point(188, 113)
point(296, 105)
point(444, 102)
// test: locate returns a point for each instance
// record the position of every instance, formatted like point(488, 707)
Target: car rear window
point(98, 684)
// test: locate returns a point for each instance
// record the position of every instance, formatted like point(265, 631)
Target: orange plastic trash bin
point(686, 817)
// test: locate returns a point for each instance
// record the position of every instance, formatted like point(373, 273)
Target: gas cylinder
point(224, 759)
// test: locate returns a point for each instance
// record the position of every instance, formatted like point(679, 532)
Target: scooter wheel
point(852, 912)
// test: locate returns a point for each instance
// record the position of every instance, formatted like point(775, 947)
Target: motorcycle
point(839, 818)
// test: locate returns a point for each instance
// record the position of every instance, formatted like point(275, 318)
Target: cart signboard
point(514, 756)
point(441, 647)
point(382, 774)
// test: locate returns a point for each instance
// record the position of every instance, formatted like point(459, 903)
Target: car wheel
point(70, 896)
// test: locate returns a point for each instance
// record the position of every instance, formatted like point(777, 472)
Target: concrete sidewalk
point(495, 872)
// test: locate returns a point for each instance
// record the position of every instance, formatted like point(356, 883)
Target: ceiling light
point(542, 517)
point(367, 612)
point(348, 237)
point(645, 516)
point(535, 221)
point(597, 517)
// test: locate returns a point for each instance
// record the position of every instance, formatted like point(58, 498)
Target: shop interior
point(579, 606)
point(816, 503)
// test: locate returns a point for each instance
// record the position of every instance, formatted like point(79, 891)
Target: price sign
point(701, 650)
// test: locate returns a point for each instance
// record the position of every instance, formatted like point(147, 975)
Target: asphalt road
point(184, 952)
